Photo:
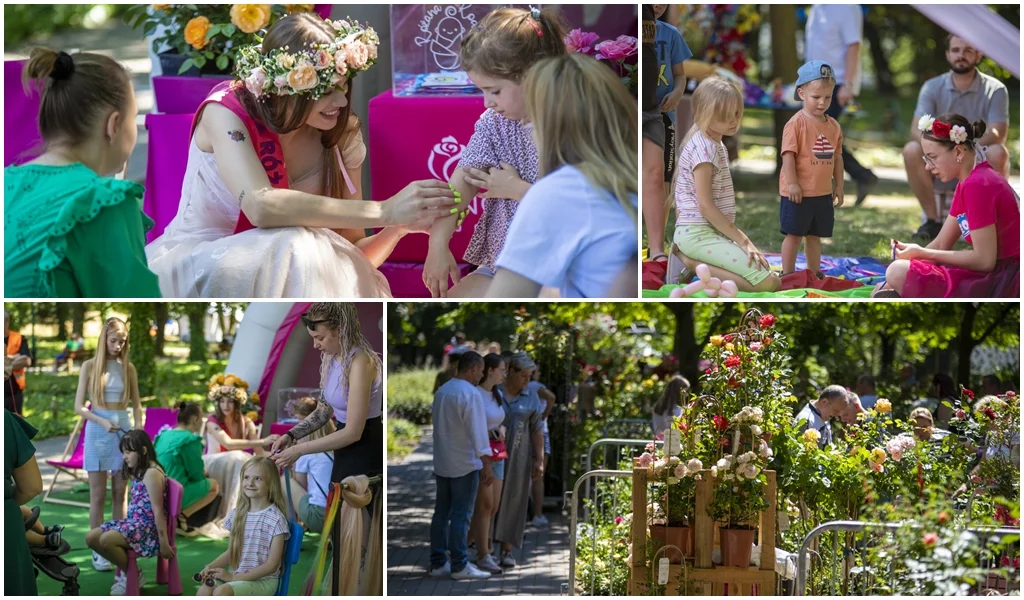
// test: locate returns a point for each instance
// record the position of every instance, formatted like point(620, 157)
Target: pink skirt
point(929, 280)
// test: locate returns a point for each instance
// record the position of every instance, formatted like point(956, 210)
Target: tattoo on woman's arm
point(316, 419)
point(237, 135)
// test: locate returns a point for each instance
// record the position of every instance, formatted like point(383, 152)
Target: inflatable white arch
point(273, 351)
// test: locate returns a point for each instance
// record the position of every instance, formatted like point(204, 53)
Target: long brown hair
point(283, 114)
point(273, 480)
point(343, 319)
point(77, 90)
point(492, 361)
point(673, 396)
point(508, 41)
point(98, 377)
point(137, 440)
point(583, 116)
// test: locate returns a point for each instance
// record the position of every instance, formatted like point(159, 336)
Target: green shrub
point(402, 438)
point(410, 395)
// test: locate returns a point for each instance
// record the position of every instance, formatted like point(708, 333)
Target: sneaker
point(928, 231)
point(99, 563)
point(540, 521)
point(470, 572)
point(471, 554)
point(864, 187)
point(120, 585)
point(507, 560)
point(442, 571)
point(488, 564)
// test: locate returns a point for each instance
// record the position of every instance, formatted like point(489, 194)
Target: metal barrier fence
point(606, 504)
point(618, 444)
point(846, 582)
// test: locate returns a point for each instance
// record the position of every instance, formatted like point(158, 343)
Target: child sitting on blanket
point(811, 161)
point(251, 566)
point(575, 229)
point(706, 231)
point(70, 229)
point(501, 157)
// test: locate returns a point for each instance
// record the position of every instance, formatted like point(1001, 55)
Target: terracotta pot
point(736, 545)
point(680, 537)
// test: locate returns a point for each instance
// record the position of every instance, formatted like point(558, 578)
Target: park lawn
point(50, 397)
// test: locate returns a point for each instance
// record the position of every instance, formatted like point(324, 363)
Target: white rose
point(958, 134)
point(714, 471)
point(694, 466)
point(755, 430)
point(722, 463)
point(925, 123)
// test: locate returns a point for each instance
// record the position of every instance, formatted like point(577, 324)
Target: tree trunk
point(965, 343)
point(883, 72)
point(784, 65)
point(160, 315)
point(78, 317)
point(62, 321)
point(196, 313)
point(221, 319)
point(888, 345)
point(232, 321)
point(683, 344)
point(143, 346)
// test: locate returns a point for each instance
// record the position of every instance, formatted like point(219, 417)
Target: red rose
point(943, 517)
point(683, 426)
point(723, 441)
point(961, 414)
point(968, 393)
point(989, 412)
point(767, 321)
point(767, 340)
point(930, 539)
point(732, 362)
point(729, 337)
point(733, 383)
point(707, 371)
point(721, 423)
point(1011, 395)
point(940, 129)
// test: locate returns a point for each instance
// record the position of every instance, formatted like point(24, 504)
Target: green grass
point(50, 397)
point(402, 438)
point(193, 554)
point(410, 395)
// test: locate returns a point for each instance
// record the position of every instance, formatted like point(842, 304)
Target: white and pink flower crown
point(940, 129)
point(314, 71)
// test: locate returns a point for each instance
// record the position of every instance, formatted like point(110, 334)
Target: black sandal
point(52, 528)
point(32, 518)
point(53, 539)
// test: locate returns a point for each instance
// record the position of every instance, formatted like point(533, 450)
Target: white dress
point(198, 256)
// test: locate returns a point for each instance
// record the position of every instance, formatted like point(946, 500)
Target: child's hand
point(166, 551)
point(671, 101)
point(908, 251)
point(754, 256)
point(839, 196)
point(222, 574)
point(281, 443)
point(439, 265)
point(500, 182)
point(795, 193)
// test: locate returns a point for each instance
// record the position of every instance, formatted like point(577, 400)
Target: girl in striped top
point(706, 231)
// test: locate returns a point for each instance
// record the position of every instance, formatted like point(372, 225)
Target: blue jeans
point(453, 509)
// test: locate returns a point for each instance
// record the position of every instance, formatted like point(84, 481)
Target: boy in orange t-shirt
point(811, 161)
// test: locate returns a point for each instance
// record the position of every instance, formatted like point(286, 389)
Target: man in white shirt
point(462, 463)
point(834, 33)
point(831, 404)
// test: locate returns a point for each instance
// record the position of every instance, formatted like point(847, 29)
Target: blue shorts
point(498, 468)
point(814, 216)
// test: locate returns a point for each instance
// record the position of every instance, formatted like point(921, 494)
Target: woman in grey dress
point(110, 383)
point(524, 442)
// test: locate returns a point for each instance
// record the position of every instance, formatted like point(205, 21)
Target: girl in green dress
point(70, 229)
point(180, 452)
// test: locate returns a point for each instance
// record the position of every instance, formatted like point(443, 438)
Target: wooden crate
point(705, 577)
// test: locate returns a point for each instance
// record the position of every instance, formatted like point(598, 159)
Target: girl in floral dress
point(144, 531)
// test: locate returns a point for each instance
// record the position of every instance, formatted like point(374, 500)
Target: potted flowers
point(739, 498)
point(674, 488)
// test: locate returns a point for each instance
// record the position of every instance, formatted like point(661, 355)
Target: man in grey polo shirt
point(462, 454)
point(818, 415)
point(967, 92)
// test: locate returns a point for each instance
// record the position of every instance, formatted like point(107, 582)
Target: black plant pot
point(170, 62)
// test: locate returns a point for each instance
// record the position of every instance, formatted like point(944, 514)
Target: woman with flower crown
point(985, 213)
point(271, 203)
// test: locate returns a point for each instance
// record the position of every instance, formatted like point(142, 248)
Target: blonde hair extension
point(374, 552)
point(356, 496)
point(268, 470)
point(583, 116)
point(98, 377)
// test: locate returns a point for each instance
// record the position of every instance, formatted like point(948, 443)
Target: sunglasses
point(310, 323)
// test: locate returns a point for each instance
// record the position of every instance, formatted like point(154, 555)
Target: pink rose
point(961, 414)
point(578, 40)
point(930, 539)
point(340, 61)
point(256, 81)
point(358, 54)
point(302, 77)
point(280, 82)
point(680, 471)
point(620, 48)
point(618, 519)
point(755, 346)
point(321, 60)
point(1011, 394)
point(646, 460)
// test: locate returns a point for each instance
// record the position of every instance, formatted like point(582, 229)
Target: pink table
point(412, 139)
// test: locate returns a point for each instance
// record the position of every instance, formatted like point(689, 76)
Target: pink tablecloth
point(280, 428)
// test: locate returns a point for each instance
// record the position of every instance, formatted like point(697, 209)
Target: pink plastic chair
point(160, 419)
point(166, 569)
point(72, 466)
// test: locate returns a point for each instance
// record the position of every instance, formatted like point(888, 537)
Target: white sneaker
point(540, 521)
point(470, 572)
point(442, 571)
point(488, 564)
point(471, 554)
point(100, 564)
point(507, 560)
point(120, 585)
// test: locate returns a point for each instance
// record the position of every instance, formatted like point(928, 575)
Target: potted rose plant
point(739, 498)
point(675, 488)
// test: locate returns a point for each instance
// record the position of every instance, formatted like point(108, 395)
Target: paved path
point(543, 560)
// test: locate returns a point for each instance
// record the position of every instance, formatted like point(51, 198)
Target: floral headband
point(956, 133)
point(315, 71)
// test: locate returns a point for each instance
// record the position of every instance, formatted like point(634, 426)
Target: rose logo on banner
point(444, 29)
point(446, 155)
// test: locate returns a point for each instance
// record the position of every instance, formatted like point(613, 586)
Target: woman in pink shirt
point(985, 214)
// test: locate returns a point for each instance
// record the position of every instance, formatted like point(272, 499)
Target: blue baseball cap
point(811, 71)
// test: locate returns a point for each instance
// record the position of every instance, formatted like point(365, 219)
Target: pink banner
point(22, 141)
point(420, 138)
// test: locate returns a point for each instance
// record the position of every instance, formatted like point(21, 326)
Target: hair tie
point(532, 20)
point(63, 67)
